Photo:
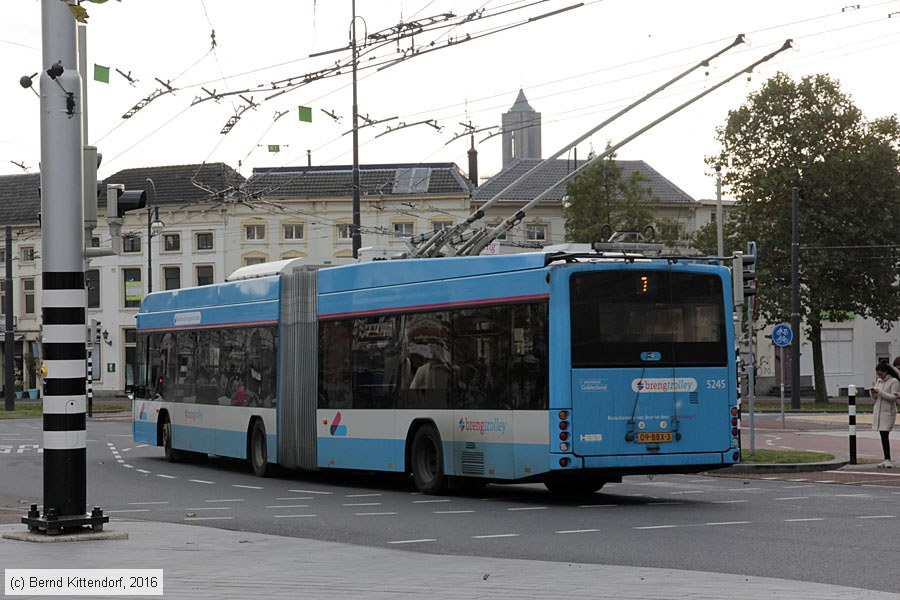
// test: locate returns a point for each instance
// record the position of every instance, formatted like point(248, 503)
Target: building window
point(254, 232)
point(344, 231)
point(3, 255)
point(171, 278)
point(204, 240)
point(204, 274)
point(131, 243)
point(292, 231)
point(28, 295)
point(92, 282)
point(95, 242)
point(438, 225)
point(535, 232)
point(253, 260)
point(2, 296)
point(27, 254)
point(502, 236)
point(403, 228)
point(172, 242)
point(131, 280)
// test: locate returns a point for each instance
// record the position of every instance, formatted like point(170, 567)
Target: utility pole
point(357, 221)
point(720, 226)
point(9, 343)
point(63, 298)
point(795, 299)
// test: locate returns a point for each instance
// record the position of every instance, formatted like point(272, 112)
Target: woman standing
point(884, 413)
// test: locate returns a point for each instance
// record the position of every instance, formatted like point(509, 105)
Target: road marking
point(413, 541)
point(293, 516)
point(166, 476)
point(310, 492)
point(452, 512)
point(688, 492)
point(128, 510)
point(851, 495)
point(362, 495)
point(803, 520)
point(529, 508)
point(143, 471)
point(289, 506)
point(226, 500)
point(430, 501)
point(658, 527)
point(742, 489)
point(201, 481)
point(498, 535)
point(794, 498)
point(727, 501)
point(878, 517)
point(126, 449)
point(363, 504)
point(206, 518)
point(579, 531)
point(296, 498)
point(153, 502)
point(730, 523)
point(247, 487)
point(128, 466)
point(373, 514)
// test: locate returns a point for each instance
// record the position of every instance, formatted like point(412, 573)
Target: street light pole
point(357, 221)
point(150, 211)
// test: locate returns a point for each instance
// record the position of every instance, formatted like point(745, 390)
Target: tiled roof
point(664, 190)
point(521, 103)
point(20, 199)
point(179, 184)
point(336, 181)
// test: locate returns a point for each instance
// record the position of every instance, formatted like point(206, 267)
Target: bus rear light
point(563, 435)
point(564, 461)
point(736, 456)
point(563, 425)
point(564, 446)
point(563, 415)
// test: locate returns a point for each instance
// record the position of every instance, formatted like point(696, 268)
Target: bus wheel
point(172, 455)
point(575, 487)
point(427, 461)
point(259, 452)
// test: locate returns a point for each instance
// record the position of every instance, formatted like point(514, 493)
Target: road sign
point(782, 335)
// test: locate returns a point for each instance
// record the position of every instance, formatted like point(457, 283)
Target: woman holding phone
point(884, 413)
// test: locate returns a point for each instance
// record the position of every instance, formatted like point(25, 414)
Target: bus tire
point(259, 451)
point(172, 455)
point(427, 461)
point(574, 487)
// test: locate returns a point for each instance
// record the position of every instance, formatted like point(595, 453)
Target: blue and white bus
point(568, 369)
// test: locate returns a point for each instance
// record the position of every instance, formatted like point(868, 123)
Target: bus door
point(649, 362)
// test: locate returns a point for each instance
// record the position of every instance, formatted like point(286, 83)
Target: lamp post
point(153, 223)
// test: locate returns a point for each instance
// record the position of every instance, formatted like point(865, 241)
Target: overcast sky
point(577, 68)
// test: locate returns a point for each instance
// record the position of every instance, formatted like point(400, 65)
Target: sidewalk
point(200, 562)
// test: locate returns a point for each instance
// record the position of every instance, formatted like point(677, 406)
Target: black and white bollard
point(851, 411)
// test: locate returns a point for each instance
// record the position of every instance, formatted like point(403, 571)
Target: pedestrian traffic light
point(119, 200)
point(748, 272)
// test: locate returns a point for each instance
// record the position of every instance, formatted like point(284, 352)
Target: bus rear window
point(647, 318)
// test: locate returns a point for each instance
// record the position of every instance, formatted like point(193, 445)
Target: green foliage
point(601, 196)
point(810, 135)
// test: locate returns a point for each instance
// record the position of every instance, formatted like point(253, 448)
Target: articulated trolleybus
point(562, 368)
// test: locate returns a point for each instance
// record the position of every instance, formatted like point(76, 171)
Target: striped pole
point(89, 380)
point(63, 297)
point(851, 411)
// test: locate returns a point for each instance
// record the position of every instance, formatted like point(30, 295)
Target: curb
point(787, 468)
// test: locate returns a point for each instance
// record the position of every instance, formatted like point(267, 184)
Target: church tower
point(521, 131)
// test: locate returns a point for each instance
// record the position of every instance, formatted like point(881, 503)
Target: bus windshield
point(647, 318)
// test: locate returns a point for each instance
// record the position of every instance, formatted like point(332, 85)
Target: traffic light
point(748, 272)
point(119, 200)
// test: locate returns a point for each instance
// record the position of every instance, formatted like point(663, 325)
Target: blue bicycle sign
point(782, 335)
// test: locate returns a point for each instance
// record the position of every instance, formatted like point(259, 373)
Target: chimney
point(473, 164)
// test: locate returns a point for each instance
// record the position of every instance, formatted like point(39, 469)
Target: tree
point(810, 135)
point(600, 196)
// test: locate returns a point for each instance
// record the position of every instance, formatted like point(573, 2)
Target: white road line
point(141, 446)
point(851, 495)
point(121, 461)
point(498, 535)
point(373, 514)
point(658, 527)
point(728, 501)
point(143, 471)
point(127, 449)
point(226, 500)
point(128, 510)
point(206, 518)
point(293, 516)
point(430, 501)
point(878, 517)
point(201, 481)
point(742, 489)
point(143, 503)
point(730, 523)
point(166, 476)
point(871, 473)
point(794, 498)
point(803, 520)
point(296, 498)
point(688, 492)
point(529, 508)
point(247, 487)
point(289, 506)
point(310, 492)
point(363, 504)
point(452, 512)
point(579, 531)
point(413, 541)
point(362, 495)
point(128, 466)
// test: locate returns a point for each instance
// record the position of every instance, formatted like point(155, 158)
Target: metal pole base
point(52, 524)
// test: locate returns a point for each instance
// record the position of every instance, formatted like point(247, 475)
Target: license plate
point(649, 437)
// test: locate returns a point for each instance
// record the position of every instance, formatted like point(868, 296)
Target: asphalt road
point(789, 527)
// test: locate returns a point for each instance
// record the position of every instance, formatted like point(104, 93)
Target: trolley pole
point(63, 297)
point(851, 414)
